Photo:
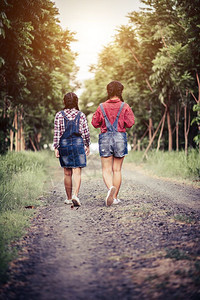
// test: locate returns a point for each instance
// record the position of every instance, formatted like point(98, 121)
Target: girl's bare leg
point(76, 180)
point(68, 182)
point(117, 175)
point(106, 163)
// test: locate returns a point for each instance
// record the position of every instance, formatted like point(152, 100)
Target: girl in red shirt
point(113, 117)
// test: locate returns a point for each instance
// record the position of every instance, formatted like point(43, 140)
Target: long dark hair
point(115, 88)
point(71, 101)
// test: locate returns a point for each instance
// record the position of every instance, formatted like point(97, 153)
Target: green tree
point(156, 57)
point(37, 67)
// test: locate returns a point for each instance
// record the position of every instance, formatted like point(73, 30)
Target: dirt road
point(147, 247)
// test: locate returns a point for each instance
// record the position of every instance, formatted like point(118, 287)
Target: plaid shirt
point(59, 126)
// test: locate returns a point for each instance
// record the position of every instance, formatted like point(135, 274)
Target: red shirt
point(111, 107)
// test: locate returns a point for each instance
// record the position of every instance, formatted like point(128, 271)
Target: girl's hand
point(87, 150)
point(57, 153)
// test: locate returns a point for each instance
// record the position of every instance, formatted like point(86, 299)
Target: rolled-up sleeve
point(97, 118)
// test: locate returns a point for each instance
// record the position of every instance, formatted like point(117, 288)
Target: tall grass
point(22, 177)
point(170, 164)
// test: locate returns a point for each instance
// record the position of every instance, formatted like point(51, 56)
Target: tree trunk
point(22, 141)
point(12, 136)
point(144, 135)
point(16, 131)
point(138, 145)
point(197, 100)
point(134, 142)
point(169, 129)
point(161, 130)
point(5, 127)
point(186, 127)
point(38, 136)
point(198, 113)
point(11, 140)
point(150, 128)
point(19, 131)
point(177, 118)
point(34, 148)
point(150, 143)
point(185, 130)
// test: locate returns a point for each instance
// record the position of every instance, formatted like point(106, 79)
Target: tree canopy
point(156, 57)
point(36, 67)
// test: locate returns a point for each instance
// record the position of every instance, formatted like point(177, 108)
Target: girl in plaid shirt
point(71, 144)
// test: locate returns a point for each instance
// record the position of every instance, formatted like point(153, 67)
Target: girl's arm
point(97, 118)
point(85, 133)
point(56, 138)
point(57, 153)
point(87, 150)
point(129, 119)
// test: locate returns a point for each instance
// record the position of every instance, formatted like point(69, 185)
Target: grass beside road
point(173, 164)
point(22, 179)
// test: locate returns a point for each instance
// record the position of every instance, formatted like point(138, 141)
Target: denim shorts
point(113, 143)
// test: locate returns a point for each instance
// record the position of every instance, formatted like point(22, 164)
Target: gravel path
point(147, 247)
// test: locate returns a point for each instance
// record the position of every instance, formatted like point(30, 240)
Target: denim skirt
point(72, 153)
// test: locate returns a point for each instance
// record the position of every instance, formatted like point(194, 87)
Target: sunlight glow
point(95, 24)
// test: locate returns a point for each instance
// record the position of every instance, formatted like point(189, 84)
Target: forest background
point(155, 56)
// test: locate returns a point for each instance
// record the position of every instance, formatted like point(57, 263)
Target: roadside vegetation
point(169, 164)
point(22, 183)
